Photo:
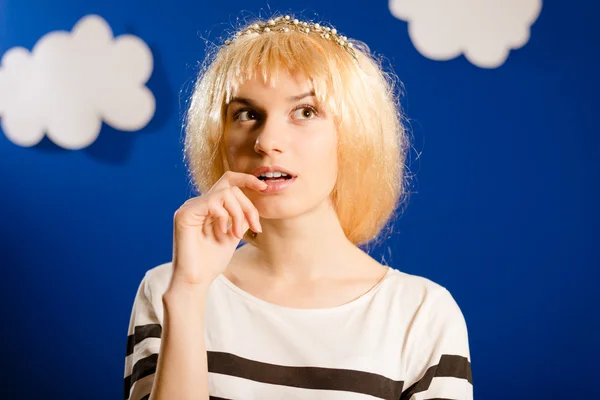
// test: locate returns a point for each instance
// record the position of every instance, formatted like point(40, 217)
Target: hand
point(203, 241)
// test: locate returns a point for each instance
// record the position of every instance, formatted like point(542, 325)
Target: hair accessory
point(286, 24)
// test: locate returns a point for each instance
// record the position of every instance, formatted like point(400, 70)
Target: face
point(283, 126)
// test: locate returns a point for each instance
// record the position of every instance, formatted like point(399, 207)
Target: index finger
point(240, 179)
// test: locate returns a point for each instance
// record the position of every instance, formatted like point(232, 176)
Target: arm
point(174, 364)
point(442, 365)
point(166, 351)
point(182, 370)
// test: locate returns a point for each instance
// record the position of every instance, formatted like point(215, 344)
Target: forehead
point(284, 84)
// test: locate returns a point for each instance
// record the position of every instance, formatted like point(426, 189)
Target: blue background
point(504, 211)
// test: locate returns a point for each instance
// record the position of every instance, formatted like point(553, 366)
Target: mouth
point(276, 179)
point(277, 185)
point(273, 173)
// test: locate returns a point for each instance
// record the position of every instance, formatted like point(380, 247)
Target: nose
point(271, 138)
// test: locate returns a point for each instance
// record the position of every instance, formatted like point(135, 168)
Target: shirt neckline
point(292, 310)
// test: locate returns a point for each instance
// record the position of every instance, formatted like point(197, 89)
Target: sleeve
point(143, 345)
point(441, 363)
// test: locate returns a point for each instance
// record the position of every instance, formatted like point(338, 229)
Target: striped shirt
point(404, 339)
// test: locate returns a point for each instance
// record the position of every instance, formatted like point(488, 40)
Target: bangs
point(266, 56)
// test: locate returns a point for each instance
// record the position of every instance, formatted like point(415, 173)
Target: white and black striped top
point(404, 339)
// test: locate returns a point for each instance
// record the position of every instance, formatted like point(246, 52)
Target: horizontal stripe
point(140, 333)
point(305, 377)
point(141, 388)
point(144, 367)
point(447, 388)
point(454, 366)
point(127, 387)
point(451, 366)
point(147, 347)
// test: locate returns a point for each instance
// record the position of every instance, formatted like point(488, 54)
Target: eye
point(305, 112)
point(244, 114)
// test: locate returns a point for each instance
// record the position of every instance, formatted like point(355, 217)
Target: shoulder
point(416, 289)
point(159, 276)
point(427, 302)
point(436, 342)
point(153, 285)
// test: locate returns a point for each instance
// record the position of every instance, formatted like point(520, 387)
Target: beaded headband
point(286, 24)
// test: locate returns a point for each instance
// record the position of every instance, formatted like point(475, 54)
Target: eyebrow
point(250, 102)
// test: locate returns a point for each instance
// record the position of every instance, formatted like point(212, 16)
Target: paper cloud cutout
point(71, 82)
point(484, 31)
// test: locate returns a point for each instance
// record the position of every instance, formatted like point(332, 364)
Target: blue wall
point(504, 214)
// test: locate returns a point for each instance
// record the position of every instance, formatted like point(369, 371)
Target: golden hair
point(372, 178)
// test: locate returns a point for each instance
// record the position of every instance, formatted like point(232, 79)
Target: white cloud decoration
point(484, 31)
point(71, 82)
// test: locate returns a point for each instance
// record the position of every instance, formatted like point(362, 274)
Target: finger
point(218, 216)
point(245, 227)
point(220, 229)
point(231, 178)
point(234, 209)
point(207, 226)
point(224, 223)
point(193, 212)
point(250, 211)
point(217, 212)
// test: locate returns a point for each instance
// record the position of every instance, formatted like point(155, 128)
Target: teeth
point(276, 174)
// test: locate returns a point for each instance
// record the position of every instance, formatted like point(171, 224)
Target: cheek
point(238, 146)
point(321, 154)
point(232, 153)
point(239, 152)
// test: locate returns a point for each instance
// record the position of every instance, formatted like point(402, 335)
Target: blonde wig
point(372, 178)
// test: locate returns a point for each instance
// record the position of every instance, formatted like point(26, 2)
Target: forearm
point(182, 371)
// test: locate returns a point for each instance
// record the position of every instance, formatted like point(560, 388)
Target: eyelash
point(236, 115)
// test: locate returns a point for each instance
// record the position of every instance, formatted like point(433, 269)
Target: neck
point(307, 247)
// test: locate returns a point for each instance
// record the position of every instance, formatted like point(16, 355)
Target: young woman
point(294, 138)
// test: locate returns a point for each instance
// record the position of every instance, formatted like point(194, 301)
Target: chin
point(271, 208)
point(285, 208)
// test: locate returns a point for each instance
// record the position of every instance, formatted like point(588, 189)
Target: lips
point(279, 186)
point(272, 168)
